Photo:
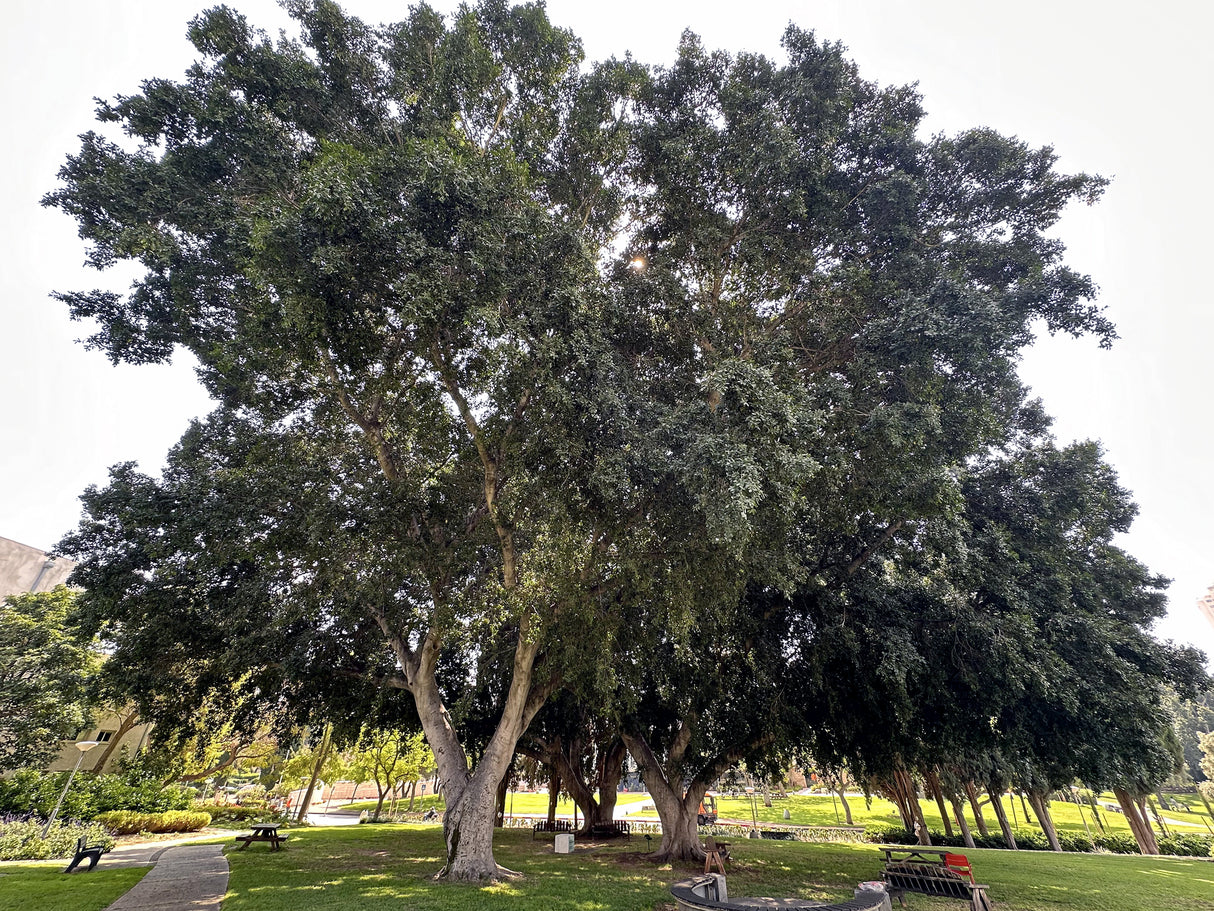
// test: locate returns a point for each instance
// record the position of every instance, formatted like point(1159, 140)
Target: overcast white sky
point(1117, 90)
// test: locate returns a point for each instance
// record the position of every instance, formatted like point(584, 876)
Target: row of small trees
point(673, 409)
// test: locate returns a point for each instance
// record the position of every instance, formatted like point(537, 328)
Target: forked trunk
point(1001, 814)
point(971, 792)
point(1138, 824)
point(1041, 806)
point(933, 784)
point(676, 809)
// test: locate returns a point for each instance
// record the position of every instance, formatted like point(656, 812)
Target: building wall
point(28, 569)
point(105, 722)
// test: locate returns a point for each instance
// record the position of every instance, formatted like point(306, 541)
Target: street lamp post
point(83, 746)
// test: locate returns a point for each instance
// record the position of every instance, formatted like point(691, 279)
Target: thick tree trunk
point(470, 792)
point(959, 812)
point(996, 794)
point(611, 770)
point(971, 793)
point(933, 786)
point(677, 810)
point(379, 807)
point(1138, 824)
point(1041, 806)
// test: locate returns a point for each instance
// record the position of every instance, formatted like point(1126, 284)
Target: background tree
point(390, 759)
point(44, 675)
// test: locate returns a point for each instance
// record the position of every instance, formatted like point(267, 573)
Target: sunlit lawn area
point(391, 867)
point(822, 810)
point(44, 887)
point(520, 803)
point(369, 868)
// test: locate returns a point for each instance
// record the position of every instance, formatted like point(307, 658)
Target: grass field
point(43, 887)
point(821, 810)
point(386, 867)
point(389, 867)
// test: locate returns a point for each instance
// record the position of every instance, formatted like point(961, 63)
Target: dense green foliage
point(44, 670)
point(682, 390)
point(31, 791)
point(22, 839)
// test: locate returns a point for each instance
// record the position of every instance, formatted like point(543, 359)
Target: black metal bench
point(85, 851)
point(615, 829)
point(551, 825)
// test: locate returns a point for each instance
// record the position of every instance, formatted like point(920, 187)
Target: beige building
point(28, 569)
point(118, 734)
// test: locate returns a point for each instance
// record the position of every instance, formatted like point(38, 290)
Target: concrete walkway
point(184, 878)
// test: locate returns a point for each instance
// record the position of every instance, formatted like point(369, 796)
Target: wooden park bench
point(615, 829)
point(551, 825)
point(85, 851)
point(932, 871)
point(263, 832)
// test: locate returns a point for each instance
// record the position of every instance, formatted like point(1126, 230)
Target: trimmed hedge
point(1183, 845)
point(22, 839)
point(128, 822)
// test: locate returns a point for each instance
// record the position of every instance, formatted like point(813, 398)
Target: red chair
point(959, 863)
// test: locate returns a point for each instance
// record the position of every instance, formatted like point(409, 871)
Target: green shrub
point(1116, 844)
point(1031, 840)
point(23, 840)
point(885, 834)
point(1186, 844)
point(31, 791)
point(1072, 842)
point(127, 822)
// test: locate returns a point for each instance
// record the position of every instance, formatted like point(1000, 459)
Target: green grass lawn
point(819, 810)
point(43, 887)
point(390, 867)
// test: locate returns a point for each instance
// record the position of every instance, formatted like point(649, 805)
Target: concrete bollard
point(564, 843)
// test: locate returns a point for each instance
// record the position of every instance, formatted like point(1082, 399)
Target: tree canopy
point(44, 677)
point(531, 372)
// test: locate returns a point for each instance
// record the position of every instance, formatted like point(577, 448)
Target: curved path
point(184, 878)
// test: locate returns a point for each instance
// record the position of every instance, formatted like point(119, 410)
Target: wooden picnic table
point(263, 831)
point(931, 871)
point(915, 852)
